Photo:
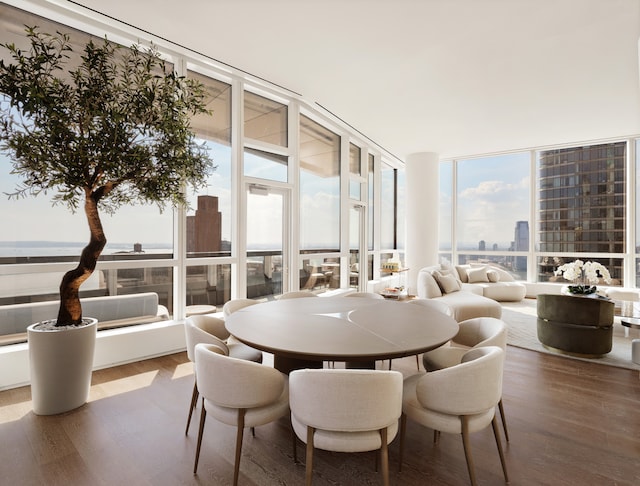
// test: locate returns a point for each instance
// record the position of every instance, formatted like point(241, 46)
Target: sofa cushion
point(427, 286)
point(493, 276)
point(476, 275)
point(462, 272)
point(503, 275)
point(466, 305)
point(447, 282)
point(503, 291)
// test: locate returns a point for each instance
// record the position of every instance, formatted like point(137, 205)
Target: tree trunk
point(70, 312)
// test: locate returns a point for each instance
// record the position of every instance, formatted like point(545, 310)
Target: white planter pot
point(61, 363)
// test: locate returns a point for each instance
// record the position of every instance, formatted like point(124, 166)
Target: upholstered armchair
point(211, 330)
point(460, 399)
point(345, 411)
point(239, 393)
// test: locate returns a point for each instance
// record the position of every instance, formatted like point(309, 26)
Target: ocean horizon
point(71, 248)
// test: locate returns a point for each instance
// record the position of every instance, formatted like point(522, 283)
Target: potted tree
point(99, 129)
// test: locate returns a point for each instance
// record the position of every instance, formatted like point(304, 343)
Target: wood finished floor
point(571, 423)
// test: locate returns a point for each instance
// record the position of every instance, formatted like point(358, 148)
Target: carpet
point(521, 320)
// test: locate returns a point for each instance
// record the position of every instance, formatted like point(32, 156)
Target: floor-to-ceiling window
point(581, 210)
point(319, 201)
point(492, 211)
point(215, 248)
point(209, 220)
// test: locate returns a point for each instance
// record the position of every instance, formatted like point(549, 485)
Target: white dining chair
point(234, 305)
point(473, 333)
point(345, 410)
point(460, 399)
point(239, 393)
point(211, 330)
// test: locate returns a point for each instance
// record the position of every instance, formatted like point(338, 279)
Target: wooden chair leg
point(384, 457)
point(294, 443)
point(467, 448)
point(309, 468)
point(194, 400)
point(504, 420)
point(239, 436)
point(403, 429)
point(203, 416)
point(496, 434)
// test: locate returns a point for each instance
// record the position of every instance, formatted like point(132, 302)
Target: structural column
point(422, 200)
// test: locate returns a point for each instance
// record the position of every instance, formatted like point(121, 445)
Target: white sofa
point(465, 303)
point(493, 282)
point(111, 311)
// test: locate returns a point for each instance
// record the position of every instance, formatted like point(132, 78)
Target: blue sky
point(493, 193)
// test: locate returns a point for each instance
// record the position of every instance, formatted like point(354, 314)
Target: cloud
point(489, 211)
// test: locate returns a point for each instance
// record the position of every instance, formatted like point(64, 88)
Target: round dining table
point(304, 332)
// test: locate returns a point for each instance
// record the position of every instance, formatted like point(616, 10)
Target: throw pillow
point(427, 284)
point(493, 276)
point(447, 283)
point(462, 272)
point(477, 275)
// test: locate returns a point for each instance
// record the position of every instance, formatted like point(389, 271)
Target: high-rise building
point(582, 201)
point(521, 243)
point(204, 230)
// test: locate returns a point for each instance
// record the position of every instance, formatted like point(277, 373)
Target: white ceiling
point(456, 77)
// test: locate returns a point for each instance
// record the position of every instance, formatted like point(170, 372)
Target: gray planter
point(61, 362)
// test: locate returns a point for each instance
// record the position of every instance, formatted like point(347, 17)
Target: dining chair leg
point(384, 456)
point(504, 420)
point(194, 401)
point(203, 416)
point(309, 468)
point(467, 448)
point(239, 437)
point(496, 434)
point(294, 443)
point(403, 429)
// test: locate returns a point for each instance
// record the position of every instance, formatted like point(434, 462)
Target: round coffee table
point(305, 332)
point(633, 323)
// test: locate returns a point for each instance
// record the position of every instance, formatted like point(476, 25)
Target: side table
point(633, 323)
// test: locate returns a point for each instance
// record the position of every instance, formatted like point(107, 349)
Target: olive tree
point(99, 129)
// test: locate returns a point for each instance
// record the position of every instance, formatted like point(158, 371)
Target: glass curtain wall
point(582, 209)
point(209, 215)
point(580, 213)
point(392, 213)
point(36, 250)
point(197, 269)
point(492, 212)
point(319, 224)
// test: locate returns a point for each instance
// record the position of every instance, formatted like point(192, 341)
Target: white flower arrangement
point(582, 273)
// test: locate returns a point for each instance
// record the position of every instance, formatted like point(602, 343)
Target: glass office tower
point(582, 204)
